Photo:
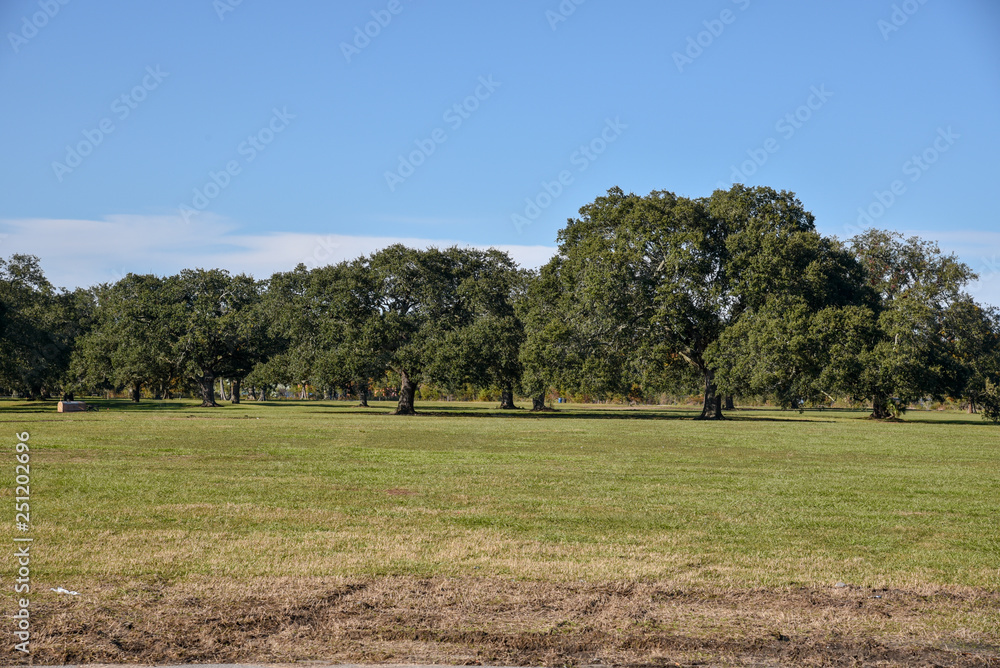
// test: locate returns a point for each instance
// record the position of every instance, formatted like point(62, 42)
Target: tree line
point(731, 294)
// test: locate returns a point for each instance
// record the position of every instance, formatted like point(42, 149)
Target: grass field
point(725, 541)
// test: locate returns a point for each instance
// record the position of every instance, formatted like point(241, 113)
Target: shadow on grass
point(142, 406)
point(570, 414)
point(16, 406)
point(971, 422)
point(643, 414)
point(28, 407)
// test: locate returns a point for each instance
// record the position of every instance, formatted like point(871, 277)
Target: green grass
point(323, 488)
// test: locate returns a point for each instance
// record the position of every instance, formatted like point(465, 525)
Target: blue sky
point(145, 136)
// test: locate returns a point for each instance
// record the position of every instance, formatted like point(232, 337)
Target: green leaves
point(915, 293)
point(196, 325)
point(658, 292)
point(972, 334)
point(990, 401)
point(668, 278)
point(443, 315)
point(38, 328)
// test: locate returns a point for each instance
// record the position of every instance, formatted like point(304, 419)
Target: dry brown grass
point(511, 622)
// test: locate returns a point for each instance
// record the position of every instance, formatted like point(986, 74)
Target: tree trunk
point(973, 407)
point(880, 407)
point(207, 385)
point(538, 404)
point(363, 393)
point(730, 406)
point(235, 390)
point(712, 409)
point(507, 399)
point(222, 390)
point(407, 388)
point(136, 392)
point(263, 393)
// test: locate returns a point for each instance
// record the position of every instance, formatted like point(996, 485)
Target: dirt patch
point(470, 621)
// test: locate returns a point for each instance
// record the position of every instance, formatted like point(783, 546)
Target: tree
point(670, 274)
point(416, 303)
point(216, 326)
point(129, 345)
point(786, 284)
point(344, 302)
point(254, 340)
point(973, 333)
point(904, 352)
point(292, 323)
point(199, 324)
point(773, 351)
point(38, 328)
point(543, 356)
point(482, 347)
point(779, 345)
point(648, 269)
point(496, 333)
point(410, 290)
point(268, 374)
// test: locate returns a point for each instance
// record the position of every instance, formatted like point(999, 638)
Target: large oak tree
point(671, 274)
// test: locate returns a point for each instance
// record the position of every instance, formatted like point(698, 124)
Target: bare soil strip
point(470, 621)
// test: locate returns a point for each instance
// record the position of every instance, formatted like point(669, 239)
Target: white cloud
point(76, 253)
